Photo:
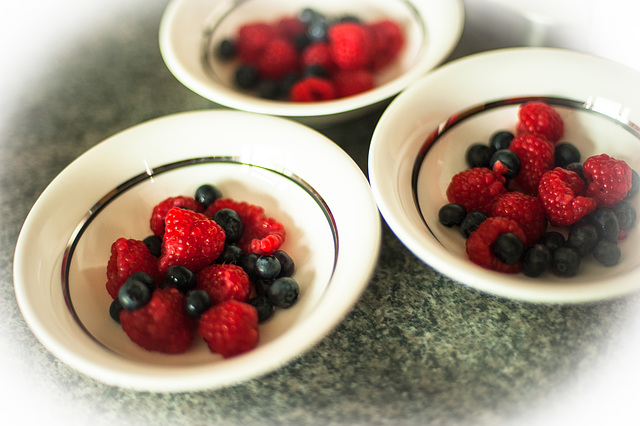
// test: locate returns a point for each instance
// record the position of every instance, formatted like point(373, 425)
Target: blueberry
point(508, 248)
point(501, 140)
point(471, 222)
point(287, 82)
point(154, 244)
point(536, 260)
point(576, 168)
point(582, 238)
point(509, 159)
point(565, 262)
point(301, 41)
point(606, 224)
point(264, 307)
point(315, 71)
point(206, 194)
point(246, 76)
point(268, 89)
point(626, 214)
point(553, 239)
point(283, 292)
point(267, 267)
point(317, 29)
point(566, 153)
point(478, 155)
point(287, 265)
point(134, 293)
point(114, 309)
point(180, 277)
point(196, 303)
point(231, 254)
point(607, 253)
point(229, 220)
point(635, 184)
point(308, 15)
point(248, 263)
point(262, 286)
point(452, 214)
point(226, 49)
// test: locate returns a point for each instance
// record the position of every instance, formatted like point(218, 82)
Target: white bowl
point(189, 27)
point(108, 192)
point(464, 102)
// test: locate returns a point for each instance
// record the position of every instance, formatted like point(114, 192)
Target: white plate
point(315, 189)
point(600, 103)
point(433, 30)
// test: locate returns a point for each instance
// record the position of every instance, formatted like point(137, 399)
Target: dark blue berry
point(114, 309)
point(154, 244)
point(301, 41)
point(635, 184)
point(566, 153)
point(196, 303)
point(565, 262)
point(226, 49)
point(308, 15)
point(471, 222)
point(509, 159)
point(248, 263)
point(501, 140)
point(264, 307)
point(262, 286)
point(536, 260)
point(134, 293)
point(317, 29)
point(231, 254)
point(268, 89)
point(478, 155)
point(315, 71)
point(283, 292)
point(452, 214)
point(627, 214)
point(606, 224)
point(582, 238)
point(229, 220)
point(267, 267)
point(287, 265)
point(553, 239)
point(287, 83)
point(577, 168)
point(607, 253)
point(206, 194)
point(247, 76)
point(180, 277)
point(508, 248)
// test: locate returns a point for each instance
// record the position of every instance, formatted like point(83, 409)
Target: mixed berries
point(212, 267)
point(528, 204)
point(310, 57)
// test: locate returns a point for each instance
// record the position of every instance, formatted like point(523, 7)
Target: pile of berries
point(309, 57)
point(212, 267)
point(527, 203)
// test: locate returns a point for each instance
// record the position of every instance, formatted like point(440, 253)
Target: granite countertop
point(417, 348)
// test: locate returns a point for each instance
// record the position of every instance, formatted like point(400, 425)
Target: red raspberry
point(540, 119)
point(608, 179)
point(478, 245)
point(230, 328)
point(312, 89)
point(559, 191)
point(278, 58)
point(351, 45)
point(190, 239)
point(524, 209)
point(388, 40)
point(537, 156)
point(317, 54)
point(290, 27)
point(252, 39)
point(224, 282)
point(262, 235)
point(160, 211)
point(350, 83)
point(476, 189)
point(162, 324)
point(127, 257)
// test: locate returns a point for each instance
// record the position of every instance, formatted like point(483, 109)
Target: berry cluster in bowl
point(310, 56)
point(530, 203)
point(211, 264)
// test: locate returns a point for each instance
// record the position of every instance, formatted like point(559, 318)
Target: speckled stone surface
point(416, 349)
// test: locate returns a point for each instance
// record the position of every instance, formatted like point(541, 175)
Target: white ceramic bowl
point(108, 192)
point(464, 102)
point(189, 27)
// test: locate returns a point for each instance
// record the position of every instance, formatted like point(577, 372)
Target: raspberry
point(478, 245)
point(540, 119)
point(278, 58)
point(290, 27)
point(476, 189)
point(160, 325)
point(559, 191)
point(127, 257)
point(190, 239)
point(351, 45)
point(317, 54)
point(388, 40)
point(526, 210)
point(537, 156)
point(230, 328)
point(350, 83)
point(608, 179)
point(252, 39)
point(312, 89)
point(224, 282)
point(262, 235)
point(159, 212)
